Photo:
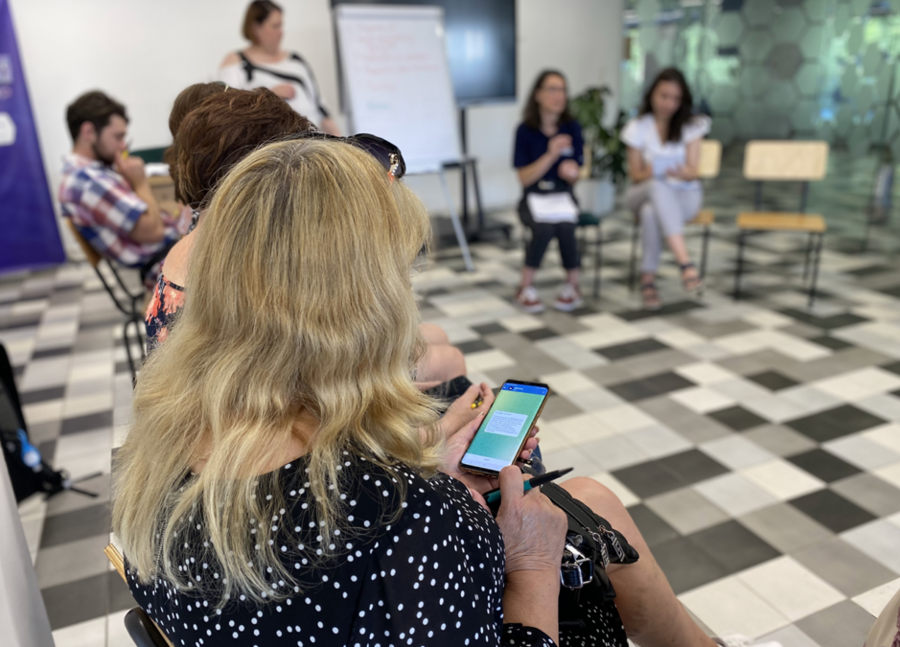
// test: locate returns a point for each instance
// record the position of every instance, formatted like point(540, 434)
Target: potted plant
point(604, 154)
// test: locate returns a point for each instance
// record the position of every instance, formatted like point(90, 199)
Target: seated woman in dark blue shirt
point(548, 157)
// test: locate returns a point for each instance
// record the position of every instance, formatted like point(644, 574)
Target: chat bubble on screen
point(506, 423)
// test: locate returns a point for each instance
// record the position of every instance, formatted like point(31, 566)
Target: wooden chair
point(143, 631)
point(710, 163)
point(784, 161)
point(130, 306)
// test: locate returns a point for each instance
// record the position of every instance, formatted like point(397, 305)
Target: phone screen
point(500, 437)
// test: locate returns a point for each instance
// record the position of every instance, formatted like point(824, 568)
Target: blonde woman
point(277, 487)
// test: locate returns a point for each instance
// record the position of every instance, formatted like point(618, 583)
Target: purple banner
point(28, 233)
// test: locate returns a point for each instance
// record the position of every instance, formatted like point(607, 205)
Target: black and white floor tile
point(756, 444)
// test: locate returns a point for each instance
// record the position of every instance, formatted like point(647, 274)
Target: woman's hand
point(559, 143)
point(460, 412)
point(569, 171)
point(682, 173)
point(285, 91)
point(534, 530)
point(456, 448)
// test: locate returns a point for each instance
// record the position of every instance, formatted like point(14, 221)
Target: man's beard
point(109, 160)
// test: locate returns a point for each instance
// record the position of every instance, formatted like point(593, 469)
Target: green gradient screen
point(509, 420)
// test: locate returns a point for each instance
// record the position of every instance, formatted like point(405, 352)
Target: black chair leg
point(817, 259)
point(809, 248)
point(598, 253)
point(740, 266)
point(632, 268)
point(128, 355)
point(703, 256)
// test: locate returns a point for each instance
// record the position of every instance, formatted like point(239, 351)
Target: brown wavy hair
point(532, 113)
point(685, 111)
point(223, 130)
point(188, 99)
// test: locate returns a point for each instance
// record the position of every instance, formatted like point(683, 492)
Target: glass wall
point(774, 69)
point(822, 69)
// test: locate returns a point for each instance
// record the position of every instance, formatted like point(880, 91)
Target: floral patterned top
point(168, 299)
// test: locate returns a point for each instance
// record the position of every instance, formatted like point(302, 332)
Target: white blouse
point(293, 70)
point(641, 134)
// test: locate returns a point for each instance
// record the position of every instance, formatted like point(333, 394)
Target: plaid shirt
point(104, 209)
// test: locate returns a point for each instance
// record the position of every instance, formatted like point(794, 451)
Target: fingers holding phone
point(507, 432)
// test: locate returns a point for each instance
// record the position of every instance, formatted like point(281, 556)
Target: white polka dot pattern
point(433, 578)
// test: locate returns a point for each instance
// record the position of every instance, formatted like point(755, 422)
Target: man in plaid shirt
point(106, 194)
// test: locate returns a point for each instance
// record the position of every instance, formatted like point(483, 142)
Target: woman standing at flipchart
point(548, 157)
point(265, 65)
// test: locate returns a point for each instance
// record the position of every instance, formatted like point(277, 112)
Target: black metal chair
point(143, 631)
point(130, 306)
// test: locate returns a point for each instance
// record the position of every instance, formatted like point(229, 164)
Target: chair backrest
point(710, 158)
point(92, 255)
point(143, 631)
point(802, 161)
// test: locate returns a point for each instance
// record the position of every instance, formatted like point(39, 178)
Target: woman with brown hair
point(548, 157)
point(265, 65)
point(209, 140)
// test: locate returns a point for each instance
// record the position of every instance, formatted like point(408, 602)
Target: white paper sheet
point(552, 207)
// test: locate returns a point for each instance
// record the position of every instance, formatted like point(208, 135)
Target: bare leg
point(441, 363)
point(572, 276)
point(434, 335)
point(527, 276)
point(679, 249)
point(652, 615)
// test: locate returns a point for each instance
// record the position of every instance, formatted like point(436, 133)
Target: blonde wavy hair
point(300, 302)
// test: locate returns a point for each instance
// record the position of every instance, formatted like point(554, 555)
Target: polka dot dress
point(433, 578)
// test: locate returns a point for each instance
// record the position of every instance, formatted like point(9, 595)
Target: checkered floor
point(756, 444)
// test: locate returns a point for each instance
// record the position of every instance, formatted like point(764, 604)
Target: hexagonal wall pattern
point(807, 79)
point(804, 114)
point(787, 27)
point(861, 7)
point(784, 60)
point(780, 96)
point(784, 68)
point(729, 29)
point(723, 99)
point(849, 80)
point(816, 11)
point(871, 60)
point(756, 45)
point(753, 80)
point(758, 12)
point(811, 43)
point(647, 10)
point(865, 98)
point(842, 16)
point(855, 38)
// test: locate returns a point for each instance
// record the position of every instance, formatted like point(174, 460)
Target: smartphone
point(504, 430)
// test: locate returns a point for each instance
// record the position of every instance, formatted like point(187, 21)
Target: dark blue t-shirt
point(531, 143)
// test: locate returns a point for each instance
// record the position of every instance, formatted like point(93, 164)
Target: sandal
point(650, 296)
point(691, 282)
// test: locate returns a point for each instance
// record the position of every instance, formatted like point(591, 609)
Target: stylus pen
point(494, 495)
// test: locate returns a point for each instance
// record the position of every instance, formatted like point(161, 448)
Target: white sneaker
point(569, 299)
point(529, 300)
point(736, 640)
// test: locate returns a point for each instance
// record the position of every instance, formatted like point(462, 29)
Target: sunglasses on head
point(387, 154)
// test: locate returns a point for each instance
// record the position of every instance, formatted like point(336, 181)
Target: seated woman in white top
point(265, 65)
point(663, 156)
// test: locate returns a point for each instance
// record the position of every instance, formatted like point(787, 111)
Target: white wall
point(144, 52)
